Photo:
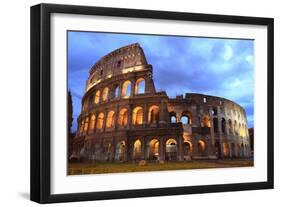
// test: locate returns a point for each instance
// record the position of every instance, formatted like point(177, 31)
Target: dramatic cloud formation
point(219, 67)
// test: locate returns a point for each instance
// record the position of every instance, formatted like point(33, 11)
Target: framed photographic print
point(132, 103)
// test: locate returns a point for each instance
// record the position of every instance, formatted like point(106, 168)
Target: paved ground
point(96, 168)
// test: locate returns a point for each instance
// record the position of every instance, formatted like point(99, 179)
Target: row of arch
point(124, 91)
point(226, 126)
point(152, 150)
point(98, 122)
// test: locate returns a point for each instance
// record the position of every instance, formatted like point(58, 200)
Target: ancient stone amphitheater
point(124, 118)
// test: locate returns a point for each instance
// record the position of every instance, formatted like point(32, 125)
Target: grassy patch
point(97, 168)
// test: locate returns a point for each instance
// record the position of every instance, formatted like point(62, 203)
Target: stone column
point(104, 120)
point(130, 116)
point(116, 116)
point(145, 114)
point(180, 150)
point(133, 86)
point(162, 112)
point(162, 148)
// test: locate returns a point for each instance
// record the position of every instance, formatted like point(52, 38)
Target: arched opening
point(100, 120)
point(235, 128)
point(107, 151)
point(138, 115)
point(215, 123)
point(126, 89)
point(105, 94)
point(140, 86)
point(218, 149)
point(153, 114)
point(97, 97)
point(110, 119)
point(116, 92)
point(225, 150)
point(120, 151)
point(86, 124)
point(92, 122)
point(223, 125)
point(137, 150)
point(201, 147)
point(214, 111)
point(230, 129)
point(186, 118)
point(173, 117)
point(123, 117)
point(187, 150)
point(97, 150)
point(207, 121)
point(154, 149)
point(171, 149)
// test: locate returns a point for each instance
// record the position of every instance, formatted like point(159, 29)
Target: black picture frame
point(41, 96)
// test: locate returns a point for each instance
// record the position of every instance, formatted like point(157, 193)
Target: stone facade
point(124, 118)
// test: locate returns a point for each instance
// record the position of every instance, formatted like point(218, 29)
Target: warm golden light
point(140, 86)
point(207, 121)
point(97, 97)
point(123, 117)
point(137, 115)
point(92, 121)
point(100, 120)
point(110, 120)
point(126, 89)
point(105, 94)
point(86, 124)
point(153, 114)
point(201, 146)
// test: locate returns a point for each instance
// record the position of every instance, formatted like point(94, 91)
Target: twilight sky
point(212, 66)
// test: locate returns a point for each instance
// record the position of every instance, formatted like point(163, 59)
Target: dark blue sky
point(220, 67)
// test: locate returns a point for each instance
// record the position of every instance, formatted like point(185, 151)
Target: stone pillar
point(230, 150)
point(145, 114)
point(180, 150)
point(120, 90)
point(104, 120)
point(116, 116)
point(161, 150)
point(133, 86)
point(130, 116)
point(163, 111)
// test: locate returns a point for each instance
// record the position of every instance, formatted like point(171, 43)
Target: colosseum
point(124, 118)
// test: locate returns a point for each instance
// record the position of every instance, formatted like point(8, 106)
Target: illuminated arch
point(86, 124)
point(137, 115)
point(207, 121)
point(137, 149)
point(154, 149)
point(171, 149)
point(187, 150)
point(110, 119)
point(97, 97)
point(100, 120)
point(105, 94)
point(126, 89)
point(201, 146)
point(140, 86)
point(123, 117)
point(153, 114)
point(92, 121)
point(120, 151)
